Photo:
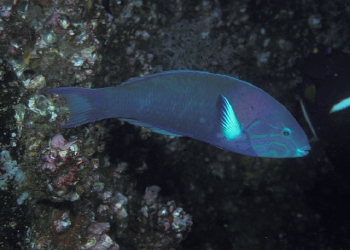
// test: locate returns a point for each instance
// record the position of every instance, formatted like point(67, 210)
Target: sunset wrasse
point(218, 109)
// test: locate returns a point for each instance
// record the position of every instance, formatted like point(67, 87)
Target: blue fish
point(221, 110)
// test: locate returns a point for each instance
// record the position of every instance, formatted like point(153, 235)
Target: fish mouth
point(302, 151)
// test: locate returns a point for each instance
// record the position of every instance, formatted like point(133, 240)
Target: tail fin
point(85, 105)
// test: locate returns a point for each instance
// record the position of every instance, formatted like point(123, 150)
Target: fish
point(325, 101)
point(217, 109)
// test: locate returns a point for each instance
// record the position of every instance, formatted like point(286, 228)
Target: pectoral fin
point(230, 126)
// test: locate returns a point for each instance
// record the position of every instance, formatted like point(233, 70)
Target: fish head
point(276, 134)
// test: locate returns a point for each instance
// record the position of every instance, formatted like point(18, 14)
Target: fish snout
point(303, 151)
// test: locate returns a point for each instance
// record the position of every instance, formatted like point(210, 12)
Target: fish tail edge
point(84, 105)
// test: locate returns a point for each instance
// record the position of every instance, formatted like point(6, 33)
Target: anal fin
point(150, 127)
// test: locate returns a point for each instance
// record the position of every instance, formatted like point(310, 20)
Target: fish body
point(325, 91)
point(218, 109)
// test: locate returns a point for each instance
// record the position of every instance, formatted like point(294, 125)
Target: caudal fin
point(85, 105)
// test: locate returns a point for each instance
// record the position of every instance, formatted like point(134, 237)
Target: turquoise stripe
point(283, 145)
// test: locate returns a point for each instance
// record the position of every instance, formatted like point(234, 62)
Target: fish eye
point(286, 132)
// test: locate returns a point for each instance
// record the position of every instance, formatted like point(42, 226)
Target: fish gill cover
point(94, 186)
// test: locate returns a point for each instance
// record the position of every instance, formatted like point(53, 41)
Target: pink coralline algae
point(57, 23)
point(99, 228)
point(98, 239)
point(64, 165)
point(150, 225)
point(113, 205)
point(58, 142)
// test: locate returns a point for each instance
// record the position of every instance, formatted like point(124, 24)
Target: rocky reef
point(110, 185)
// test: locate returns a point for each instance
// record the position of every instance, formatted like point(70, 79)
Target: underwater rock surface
point(110, 185)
